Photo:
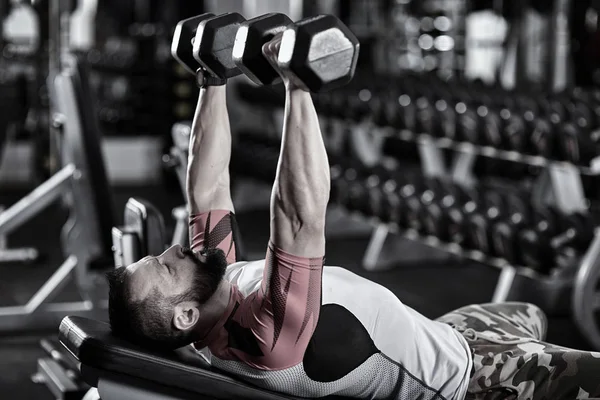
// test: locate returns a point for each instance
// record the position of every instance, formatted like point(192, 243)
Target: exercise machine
point(83, 186)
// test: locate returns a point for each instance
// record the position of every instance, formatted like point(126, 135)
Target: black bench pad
point(91, 342)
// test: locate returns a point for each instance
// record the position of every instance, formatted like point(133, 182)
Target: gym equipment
point(12, 96)
point(249, 40)
point(535, 241)
point(505, 232)
point(321, 53)
point(59, 371)
point(142, 233)
point(182, 45)
point(213, 44)
point(479, 224)
point(177, 159)
point(83, 186)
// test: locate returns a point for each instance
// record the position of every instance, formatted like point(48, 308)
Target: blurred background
point(464, 153)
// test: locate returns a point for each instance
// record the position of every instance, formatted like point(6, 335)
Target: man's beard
point(208, 275)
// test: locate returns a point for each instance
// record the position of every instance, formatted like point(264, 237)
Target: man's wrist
point(205, 79)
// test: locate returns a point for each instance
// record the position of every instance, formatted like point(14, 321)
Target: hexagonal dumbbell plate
point(213, 44)
point(183, 38)
point(321, 51)
point(247, 50)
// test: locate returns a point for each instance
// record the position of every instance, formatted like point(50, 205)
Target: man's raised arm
point(209, 154)
point(212, 222)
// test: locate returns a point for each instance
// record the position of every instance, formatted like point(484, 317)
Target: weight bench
point(122, 370)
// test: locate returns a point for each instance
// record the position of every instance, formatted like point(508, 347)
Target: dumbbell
point(543, 138)
point(505, 233)
point(426, 192)
point(458, 216)
point(319, 53)
point(492, 127)
point(574, 241)
point(443, 217)
point(535, 241)
point(515, 134)
point(207, 41)
point(467, 124)
point(577, 144)
point(479, 223)
point(445, 122)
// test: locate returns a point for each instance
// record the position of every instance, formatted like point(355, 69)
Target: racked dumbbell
point(570, 245)
point(467, 124)
point(479, 223)
point(515, 134)
point(428, 191)
point(492, 126)
point(319, 53)
point(505, 233)
point(543, 138)
point(535, 241)
point(577, 144)
point(437, 217)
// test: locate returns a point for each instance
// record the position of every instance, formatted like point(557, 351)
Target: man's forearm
point(301, 189)
point(209, 153)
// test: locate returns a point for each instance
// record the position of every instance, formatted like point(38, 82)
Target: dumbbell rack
point(560, 184)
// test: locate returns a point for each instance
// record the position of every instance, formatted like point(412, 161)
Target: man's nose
point(172, 252)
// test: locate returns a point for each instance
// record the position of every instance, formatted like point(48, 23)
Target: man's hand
point(271, 52)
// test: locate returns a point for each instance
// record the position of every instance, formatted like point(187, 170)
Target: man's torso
point(366, 344)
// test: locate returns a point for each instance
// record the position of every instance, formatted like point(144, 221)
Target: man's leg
point(534, 370)
point(500, 321)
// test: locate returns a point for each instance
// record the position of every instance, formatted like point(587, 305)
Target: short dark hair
point(149, 322)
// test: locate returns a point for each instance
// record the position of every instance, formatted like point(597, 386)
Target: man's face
point(171, 273)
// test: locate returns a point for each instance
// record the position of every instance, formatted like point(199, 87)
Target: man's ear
point(186, 315)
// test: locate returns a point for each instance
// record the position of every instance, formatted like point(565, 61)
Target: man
point(289, 324)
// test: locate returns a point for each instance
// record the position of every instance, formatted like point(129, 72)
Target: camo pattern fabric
point(512, 361)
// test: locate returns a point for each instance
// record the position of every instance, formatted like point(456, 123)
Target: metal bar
point(25, 254)
point(505, 282)
point(375, 246)
point(49, 315)
point(36, 201)
point(50, 288)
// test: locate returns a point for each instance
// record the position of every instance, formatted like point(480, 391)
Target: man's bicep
point(215, 229)
point(285, 310)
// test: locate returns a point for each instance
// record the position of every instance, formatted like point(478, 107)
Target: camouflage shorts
point(511, 360)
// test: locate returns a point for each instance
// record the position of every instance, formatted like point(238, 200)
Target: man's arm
point(301, 190)
point(284, 313)
point(212, 222)
point(209, 154)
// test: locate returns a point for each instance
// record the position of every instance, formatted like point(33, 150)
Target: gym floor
point(431, 283)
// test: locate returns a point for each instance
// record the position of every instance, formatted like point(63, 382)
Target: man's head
point(159, 300)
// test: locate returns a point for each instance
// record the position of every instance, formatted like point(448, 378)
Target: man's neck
point(213, 310)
